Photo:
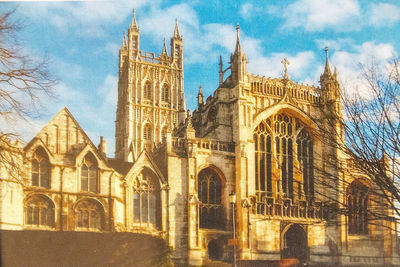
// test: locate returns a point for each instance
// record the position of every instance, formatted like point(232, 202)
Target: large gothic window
point(306, 161)
point(89, 215)
point(283, 127)
point(262, 141)
point(89, 174)
point(40, 169)
point(357, 202)
point(276, 141)
point(146, 200)
point(39, 212)
point(165, 93)
point(147, 90)
point(209, 192)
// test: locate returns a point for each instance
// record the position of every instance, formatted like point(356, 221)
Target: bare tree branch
point(24, 80)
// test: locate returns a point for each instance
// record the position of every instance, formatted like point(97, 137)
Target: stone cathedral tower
point(151, 98)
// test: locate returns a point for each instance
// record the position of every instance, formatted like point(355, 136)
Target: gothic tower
point(151, 98)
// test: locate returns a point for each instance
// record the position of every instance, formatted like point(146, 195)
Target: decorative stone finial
point(285, 63)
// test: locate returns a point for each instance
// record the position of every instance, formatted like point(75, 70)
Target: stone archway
point(295, 243)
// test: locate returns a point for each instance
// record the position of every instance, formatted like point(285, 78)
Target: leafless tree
point(366, 132)
point(24, 80)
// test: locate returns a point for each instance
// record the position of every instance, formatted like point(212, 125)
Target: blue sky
point(82, 39)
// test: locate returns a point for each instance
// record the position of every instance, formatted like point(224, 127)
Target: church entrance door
point(295, 243)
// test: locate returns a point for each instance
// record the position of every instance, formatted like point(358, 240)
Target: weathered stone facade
point(174, 171)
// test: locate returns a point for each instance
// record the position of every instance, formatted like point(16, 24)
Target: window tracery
point(89, 215)
point(209, 193)
point(89, 174)
point(146, 198)
point(357, 201)
point(40, 169)
point(165, 93)
point(276, 141)
point(39, 212)
point(147, 94)
point(263, 159)
point(306, 161)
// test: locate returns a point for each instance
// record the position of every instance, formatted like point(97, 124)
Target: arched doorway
point(215, 250)
point(295, 243)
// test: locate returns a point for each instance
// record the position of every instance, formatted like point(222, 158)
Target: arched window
point(40, 168)
point(89, 215)
point(147, 132)
point(306, 160)
point(146, 200)
point(209, 192)
point(283, 126)
point(357, 202)
point(147, 92)
point(165, 93)
point(89, 174)
point(39, 212)
point(262, 141)
point(278, 150)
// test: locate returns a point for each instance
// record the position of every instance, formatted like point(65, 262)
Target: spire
point(238, 47)
point(164, 50)
point(124, 46)
point(133, 23)
point(177, 35)
point(327, 68)
point(200, 90)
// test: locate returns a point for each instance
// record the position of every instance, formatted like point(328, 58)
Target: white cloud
point(25, 129)
point(199, 40)
point(85, 17)
point(271, 66)
point(109, 91)
point(340, 15)
point(160, 23)
point(112, 48)
point(384, 14)
point(337, 44)
point(348, 64)
point(248, 9)
point(317, 15)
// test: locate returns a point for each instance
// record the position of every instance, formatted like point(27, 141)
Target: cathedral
point(236, 181)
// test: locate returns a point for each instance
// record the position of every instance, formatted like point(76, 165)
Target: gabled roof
point(120, 166)
point(36, 142)
point(56, 121)
point(145, 161)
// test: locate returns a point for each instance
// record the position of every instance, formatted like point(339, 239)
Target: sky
point(82, 39)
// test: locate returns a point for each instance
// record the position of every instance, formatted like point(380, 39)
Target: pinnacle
point(177, 35)
point(133, 23)
point(327, 68)
point(238, 47)
point(164, 51)
point(124, 46)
